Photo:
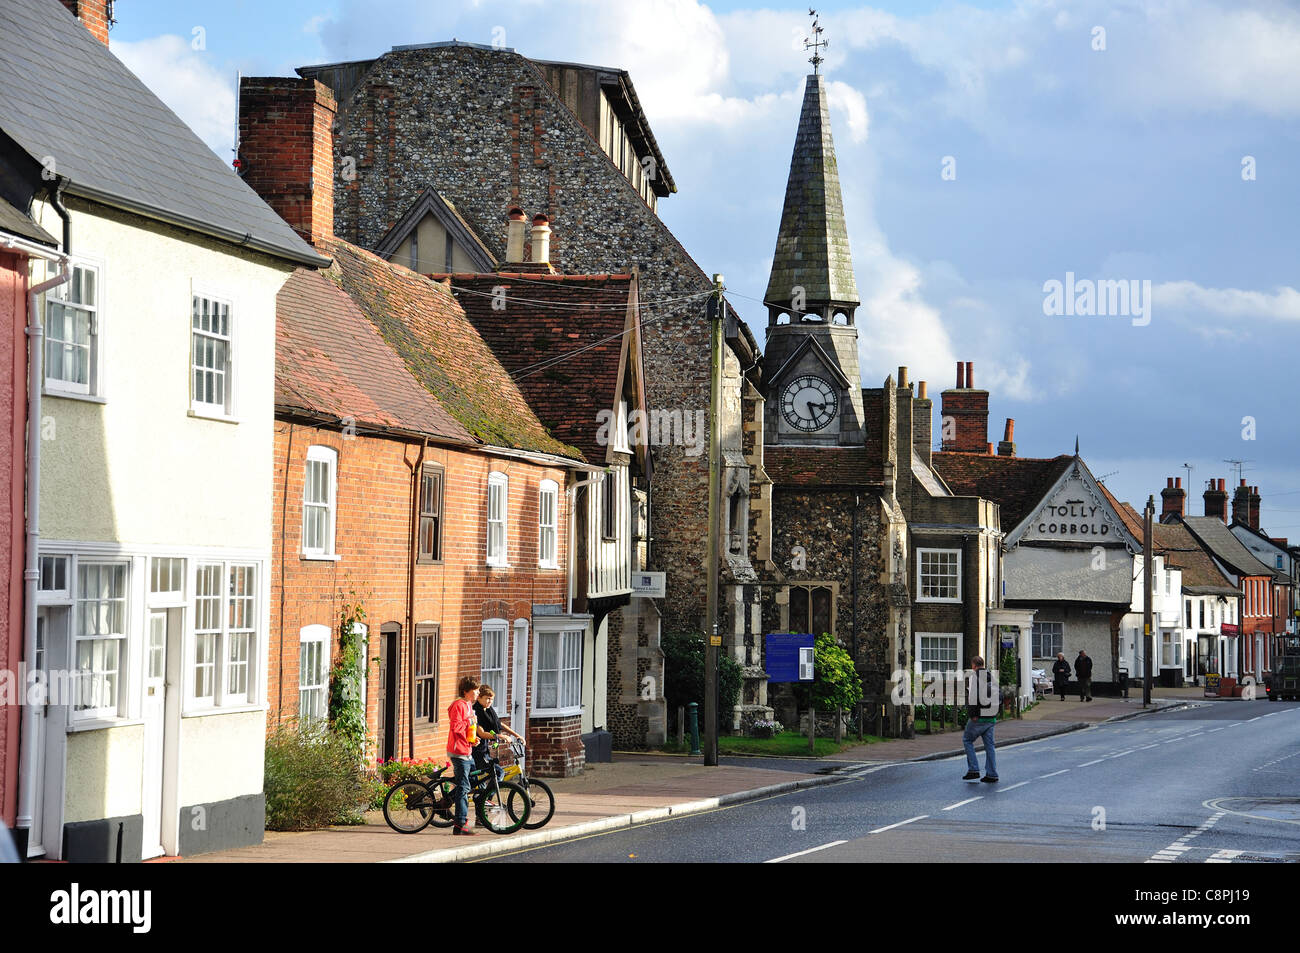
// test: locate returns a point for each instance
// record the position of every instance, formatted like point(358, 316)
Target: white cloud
point(186, 80)
point(1282, 305)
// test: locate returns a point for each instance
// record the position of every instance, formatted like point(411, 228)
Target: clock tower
point(810, 363)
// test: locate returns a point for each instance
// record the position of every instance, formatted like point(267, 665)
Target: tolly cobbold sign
point(1073, 514)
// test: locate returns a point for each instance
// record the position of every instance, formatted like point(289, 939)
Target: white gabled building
point(153, 472)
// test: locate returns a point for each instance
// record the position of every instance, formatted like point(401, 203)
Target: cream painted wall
point(137, 468)
point(92, 790)
point(431, 240)
point(221, 756)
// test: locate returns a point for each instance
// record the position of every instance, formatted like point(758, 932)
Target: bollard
point(681, 725)
point(812, 730)
point(695, 728)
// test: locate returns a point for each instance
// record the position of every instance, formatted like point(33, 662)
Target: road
point(1219, 783)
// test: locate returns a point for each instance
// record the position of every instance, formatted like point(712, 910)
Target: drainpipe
point(34, 760)
point(414, 553)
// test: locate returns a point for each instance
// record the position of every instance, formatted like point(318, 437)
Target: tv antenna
point(815, 42)
point(1240, 467)
point(1189, 468)
point(1102, 478)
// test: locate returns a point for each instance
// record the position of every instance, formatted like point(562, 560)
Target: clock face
point(809, 403)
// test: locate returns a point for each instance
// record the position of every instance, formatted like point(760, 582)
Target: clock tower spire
point(811, 357)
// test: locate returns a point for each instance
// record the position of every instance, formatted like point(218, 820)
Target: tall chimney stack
point(1241, 504)
point(286, 149)
point(1007, 446)
point(541, 240)
point(94, 16)
point(1172, 499)
point(922, 413)
point(1216, 500)
point(516, 230)
point(1253, 518)
point(965, 414)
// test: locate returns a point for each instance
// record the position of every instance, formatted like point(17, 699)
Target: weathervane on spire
point(815, 42)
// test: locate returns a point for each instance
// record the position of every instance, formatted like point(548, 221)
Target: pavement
point(638, 788)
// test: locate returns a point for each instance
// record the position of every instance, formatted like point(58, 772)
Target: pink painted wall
point(13, 424)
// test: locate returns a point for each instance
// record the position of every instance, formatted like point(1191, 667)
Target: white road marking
point(1256, 718)
point(890, 827)
point(1224, 856)
point(1053, 774)
point(1180, 846)
point(1013, 787)
point(1213, 730)
point(1122, 753)
point(1145, 747)
point(810, 850)
point(960, 803)
point(1086, 763)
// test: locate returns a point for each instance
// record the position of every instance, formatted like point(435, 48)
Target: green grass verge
point(786, 744)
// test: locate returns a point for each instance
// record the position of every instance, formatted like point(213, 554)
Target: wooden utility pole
point(713, 635)
point(1148, 516)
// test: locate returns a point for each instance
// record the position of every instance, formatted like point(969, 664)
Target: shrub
point(684, 676)
point(312, 779)
point(836, 683)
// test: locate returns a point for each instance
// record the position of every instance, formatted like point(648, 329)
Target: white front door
point(519, 680)
point(154, 712)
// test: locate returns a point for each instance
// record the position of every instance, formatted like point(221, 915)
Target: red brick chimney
point(965, 414)
point(95, 16)
point(1172, 498)
point(286, 149)
point(1007, 446)
point(1216, 500)
point(1253, 518)
point(1241, 504)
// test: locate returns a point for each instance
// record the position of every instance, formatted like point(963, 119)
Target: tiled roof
point(1016, 484)
point(420, 320)
point(1130, 517)
point(1215, 536)
point(66, 96)
point(821, 466)
point(1181, 551)
point(560, 337)
point(330, 360)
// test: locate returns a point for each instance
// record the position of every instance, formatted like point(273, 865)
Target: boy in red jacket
point(461, 736)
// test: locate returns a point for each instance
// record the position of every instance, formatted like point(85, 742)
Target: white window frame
point(329, 457)
point(320, 636)
point(499, 486)
point(497, 630)
point(200, 408)
point(921, 575)
point(224, 636)
point(1042, 622)
point(57, 386)
point(565, 636)
point(954, 637)
point(123, 640)
point(548, 555)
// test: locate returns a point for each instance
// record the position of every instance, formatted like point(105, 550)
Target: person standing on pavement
point(980, 719)
point(1083, 669)
point(489, 726)
point(1060, 675)
point(462, 734)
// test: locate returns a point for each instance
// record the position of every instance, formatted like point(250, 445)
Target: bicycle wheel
point(444, 802)
point(409, 807)
point(541, 801)
point(503, 810)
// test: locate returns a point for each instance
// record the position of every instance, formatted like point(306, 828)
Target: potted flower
point(762, 728)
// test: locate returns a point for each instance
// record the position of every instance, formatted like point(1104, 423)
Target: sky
point(986, 150)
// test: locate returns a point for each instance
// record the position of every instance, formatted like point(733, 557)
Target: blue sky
point(1122, 162)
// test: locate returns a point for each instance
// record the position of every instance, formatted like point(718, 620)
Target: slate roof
point(330, 361)
point(1016, 484)
point(1201, 577)
point(15, 222)
point(1214, 535)
point(66, 96)
point(812, 245)
point(420, 320)
point(560, 337)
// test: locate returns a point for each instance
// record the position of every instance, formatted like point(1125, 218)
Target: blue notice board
point(789, 657)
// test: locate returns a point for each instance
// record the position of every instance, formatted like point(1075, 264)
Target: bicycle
point(540, 797)
point(410, 806)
